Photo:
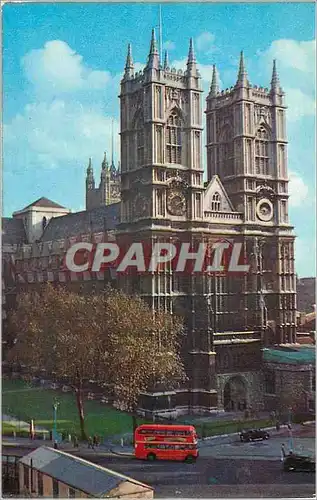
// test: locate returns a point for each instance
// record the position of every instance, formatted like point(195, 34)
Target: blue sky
point(62, 65)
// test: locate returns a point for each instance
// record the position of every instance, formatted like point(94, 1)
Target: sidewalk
point(101, 450)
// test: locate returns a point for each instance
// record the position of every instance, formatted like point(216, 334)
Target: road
point(229, 470)
point(209, 476)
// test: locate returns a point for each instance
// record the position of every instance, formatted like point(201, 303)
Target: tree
point(112, 338)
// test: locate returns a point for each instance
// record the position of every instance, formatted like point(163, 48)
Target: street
point(223, 470)
point(204, 478)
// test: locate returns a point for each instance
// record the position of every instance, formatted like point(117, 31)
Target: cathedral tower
point(161, 127)
point(162, 191)
point(246, 148)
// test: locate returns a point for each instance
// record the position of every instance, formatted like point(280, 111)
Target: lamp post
point(55, 406)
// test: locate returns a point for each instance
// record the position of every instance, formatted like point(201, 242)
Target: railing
point(223, 215)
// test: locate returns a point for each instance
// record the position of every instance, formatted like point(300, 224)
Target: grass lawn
point(25, 402)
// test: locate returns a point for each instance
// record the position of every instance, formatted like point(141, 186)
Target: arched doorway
point(235, 394)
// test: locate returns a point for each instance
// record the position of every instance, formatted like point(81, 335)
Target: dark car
point(293, 462)
point(253, 435)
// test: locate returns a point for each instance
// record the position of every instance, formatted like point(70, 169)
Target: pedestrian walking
point(283, 453)
point(90, 443)
point(95, 440)
point(75, 441)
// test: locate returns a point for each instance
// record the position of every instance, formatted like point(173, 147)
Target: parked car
point(253, 435)
point(294, 462)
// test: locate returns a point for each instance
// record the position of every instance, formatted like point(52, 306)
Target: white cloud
point(57, 132)
point(169, 45)
point(205, 42)
point(60, 125)
point(293, 54)
point(299, 104)
point(58, 68)
point(298, 190)
point(296, 69)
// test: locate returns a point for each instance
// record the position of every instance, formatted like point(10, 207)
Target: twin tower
point(161, 128)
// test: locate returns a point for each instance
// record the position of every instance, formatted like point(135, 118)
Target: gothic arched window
point(139, 126)
point(174, 139)
point(226, 152)
point(216, 202)
point(262, 152)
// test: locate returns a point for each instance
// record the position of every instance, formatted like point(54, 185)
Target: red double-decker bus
point(166, 442)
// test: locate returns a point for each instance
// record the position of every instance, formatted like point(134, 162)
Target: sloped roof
point(13, 232)
point(78, 473)
point(45, 203)
point(96, 220)
point(215, 185)
point(293, 356)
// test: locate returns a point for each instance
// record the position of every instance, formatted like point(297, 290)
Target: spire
point(166, 63)
point(191, 54)
point(242, 80)
point(191, 60)
point(214, 87)
point(89, 168)
point(112, 146)
point(90, 181)
point(104, 164)
point(129, 67)
point(153, 59)
point(275, 82)
point(153, 48)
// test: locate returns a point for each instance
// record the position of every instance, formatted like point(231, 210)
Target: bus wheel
point(151, 457)
point(190, 459)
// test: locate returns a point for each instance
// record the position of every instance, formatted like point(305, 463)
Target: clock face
point(176, 203)
point(264, 210)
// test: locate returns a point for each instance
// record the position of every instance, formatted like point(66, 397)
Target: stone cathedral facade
point(231, 321)
point(228, 319)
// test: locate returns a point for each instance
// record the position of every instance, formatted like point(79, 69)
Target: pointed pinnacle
point(104, 164)
point(154, 58)
point(275, 82)
point(214, 88)
point(153, 48)
point(129, 67)
point(89, 169)
point(242, 75)
point(129, 61)
point(166, 63)
point(191, 54)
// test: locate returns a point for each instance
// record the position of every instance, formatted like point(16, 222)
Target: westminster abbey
point(159, 193)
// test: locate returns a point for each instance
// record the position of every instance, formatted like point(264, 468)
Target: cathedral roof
point(44, 203)
point(13, 232)
point(95, 220)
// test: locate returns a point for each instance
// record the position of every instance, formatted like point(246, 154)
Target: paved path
point(21, 425)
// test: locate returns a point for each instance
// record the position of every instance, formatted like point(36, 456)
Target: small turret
point(153, 58)
point(214, 87)
point(275, 82)
point(166, 63)
point(90, 181)
point(242, 80)
point(191, 60)
point(105, 164)
point(129, 67)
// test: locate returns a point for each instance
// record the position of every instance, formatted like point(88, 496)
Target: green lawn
point(24, 402)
